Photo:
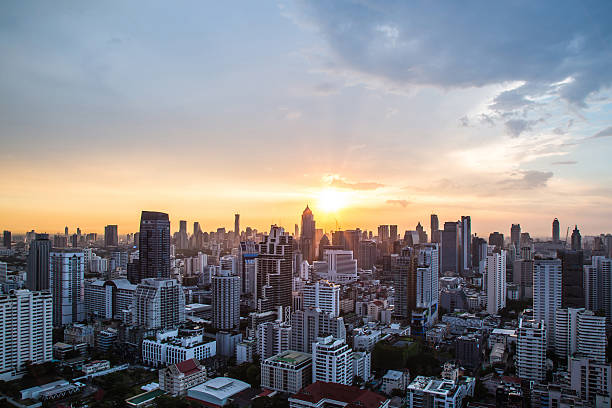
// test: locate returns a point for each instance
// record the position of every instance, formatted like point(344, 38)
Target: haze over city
point(368, 114)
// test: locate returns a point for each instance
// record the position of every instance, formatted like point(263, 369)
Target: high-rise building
point(7, 239)
point(67, 272)
point(273, 338)
point(496, 239)
point(332, 361)
point(404, 278)
point(154, 245)
point(108, 299)
point(479, 254)
point(531, 350)
point(591, 379)
point(450, 251)
point(307, 239)
point(307, 325)
point(367, 254)
point(287, 372)
point(555, 231)
point(495, 279)
point(435, 228)
point(111, 237)
point(427, 292)
point(38, 263)
point(547, 294)
point(26, 335)
point(580, 331)
point(393, 232)
point(383, 233)
point(237, 225)
point(522, 275)
point(323, 295)
point(515, 236)
point(3, 272)
point(598, 285)
point(572, 264)
point(158, 304)
point(576, 239)
point(226, 300)
point(274, 270)
point(422, 234)
point(466, 243)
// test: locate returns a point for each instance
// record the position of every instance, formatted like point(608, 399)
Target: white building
point(426, 392)
point(590, 378)
point(217, 392)
point(364, 339)
point(323, 295)
point(273, 338)
point(25, 330)
point(158, 304)
point(66, 274)
point(174, 346)
point(598, 285)
point(427, 282)
point(338, 266)
point(495, 278)
point(332, 361)
point(226, 297)
point(308, 325)
point(395, 380)
point(362, 365)
point(107, 299)
point(531, 350)
point(177, 378)
point(547, 292)
point(580, 330)
point(245, 351)
point(287, 372)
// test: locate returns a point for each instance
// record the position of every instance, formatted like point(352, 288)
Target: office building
point(181, 239)
point(383, 233)
point(450, 249)
point(434, 228)
point(287, 372)
point(531, 350)
point(522, 275)
point(3, 272)
point(466, 244)
point(307, 238)
point(556, 237)
point(245, 351)
point(67, 272)
point(247, 264)
point(273, 338)
point(598, 285)
point(26, 335)
point(274, 270)
point(237, 226)
point(495, 279)
point(332, 361)
point(515, 237)
point(338, 266)
point(367, 254)
point(177, 378)
point(7, 239)
point(108, 299)
point(496, 239)
point(590, 378)
point(572, 264)
point(38, 263)
point(393, 233)
point(547, 291)
point(308, 325)
point(174, 346)
point(154, 245)
point(158, 304)
point(323, 295)
point(111, 237)
point(576, 239)
point(225, 300)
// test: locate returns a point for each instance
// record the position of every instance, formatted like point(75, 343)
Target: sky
point(369, 112)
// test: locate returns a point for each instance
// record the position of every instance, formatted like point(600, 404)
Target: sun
point(332, 200)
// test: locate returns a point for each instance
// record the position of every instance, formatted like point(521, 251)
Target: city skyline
point(117, 108)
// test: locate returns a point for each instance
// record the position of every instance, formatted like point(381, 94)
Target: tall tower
point(274, 270)
point(307, 239)
point(154, 245)
point(576, 239)
point(466, 243)
point(226, 300)
point(110, 236)
point(237, 225)
point(555, 231)
point(158, 304)
point(547, 293)
point(515, 236)
point(435, 228)
point(38, 263)
point(67, 270)
point(7, 240)
point(451, 241)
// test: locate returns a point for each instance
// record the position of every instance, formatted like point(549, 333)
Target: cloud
point(289, 114)
point(527, 180)
point(325, 88)
point(335, 180)
point(515, 127)
point(402, 203)
point(564, 162)
point(451, 45)
point(607, 132)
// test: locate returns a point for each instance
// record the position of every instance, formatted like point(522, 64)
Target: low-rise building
point(395, 380)
point(177, 378)
point(245, 351)
point(426, 392)
point(362, 365)
point(95, 366)
point(174, 346)
point(288, 372)
point(325, 394)
point(217, 392)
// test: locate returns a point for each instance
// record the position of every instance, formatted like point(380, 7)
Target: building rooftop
point(220, 388)
point(393, 375)
point(291, 357)
point(188, 367)
point(353, 396)
point(144, 397)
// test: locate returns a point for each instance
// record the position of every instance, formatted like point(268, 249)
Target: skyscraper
point(572, 264)
point(7, 239)
point(515, 236)
point(451, 241)
point(67, 271)
point(225, 300)
point(576, 239)
point(307, 243)
point(547, 293)
point(307, 325)
point(154, 245)
point(38, 263)
point(383, 233)
point(496, 239)
point(393, 232)
point(332, 361)
point(555, 231)
point(274, 270)
point(323, 295)
point(435, 228)
point(237, 225)
point(495, 279)
point(466, 243)
point(158, 304)
point(531, 349)
point(110, 236)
